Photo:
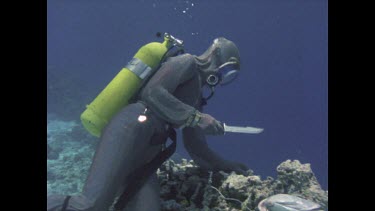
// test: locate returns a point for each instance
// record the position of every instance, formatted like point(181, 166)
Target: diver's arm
point(197, 147)
point(167, 106)
point(157, 93)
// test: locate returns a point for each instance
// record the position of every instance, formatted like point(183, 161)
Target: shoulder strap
point(66, 202)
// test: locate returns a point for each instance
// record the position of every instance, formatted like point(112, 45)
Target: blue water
point(283, 81)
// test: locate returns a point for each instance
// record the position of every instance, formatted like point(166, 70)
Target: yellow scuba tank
point(126, 83)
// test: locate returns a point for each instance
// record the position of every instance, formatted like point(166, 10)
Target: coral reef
point(184, 185)
point(69, 153)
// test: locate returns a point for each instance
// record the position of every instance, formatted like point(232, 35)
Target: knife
point(237, 129)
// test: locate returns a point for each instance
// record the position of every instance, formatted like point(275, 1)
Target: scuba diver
point(172, 98)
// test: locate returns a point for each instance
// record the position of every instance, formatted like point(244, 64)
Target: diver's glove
point(208, 124)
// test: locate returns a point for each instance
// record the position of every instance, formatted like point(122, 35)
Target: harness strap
point(65, 204)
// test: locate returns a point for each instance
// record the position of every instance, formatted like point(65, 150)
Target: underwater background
point(282, 87)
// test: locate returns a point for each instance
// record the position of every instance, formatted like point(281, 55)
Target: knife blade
point(237, 129)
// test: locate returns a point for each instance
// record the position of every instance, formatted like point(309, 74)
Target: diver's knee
point(148, 197)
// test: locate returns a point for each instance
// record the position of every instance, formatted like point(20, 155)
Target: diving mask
point(228, 72)
point(223, 75)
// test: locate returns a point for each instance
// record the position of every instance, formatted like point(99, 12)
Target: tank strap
point(139, 68)
point(139, 177)
point(65, 204)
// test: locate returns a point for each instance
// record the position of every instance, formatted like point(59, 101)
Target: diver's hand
point(210, 125)
point(229, 166)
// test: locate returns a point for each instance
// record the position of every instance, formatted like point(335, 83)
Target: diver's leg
point(76, 203)
point(148, 197)
point(118, 153)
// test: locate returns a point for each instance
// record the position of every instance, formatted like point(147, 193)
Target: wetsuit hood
point(219, 54)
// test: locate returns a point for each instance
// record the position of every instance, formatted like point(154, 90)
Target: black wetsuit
point(171, 96)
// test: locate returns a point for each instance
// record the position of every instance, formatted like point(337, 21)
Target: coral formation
point(69, 153)
point(184, 185)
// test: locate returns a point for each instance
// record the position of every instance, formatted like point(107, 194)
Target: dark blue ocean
point(282, 87)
